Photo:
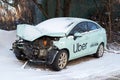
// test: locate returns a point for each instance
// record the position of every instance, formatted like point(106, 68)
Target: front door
point(78, 45)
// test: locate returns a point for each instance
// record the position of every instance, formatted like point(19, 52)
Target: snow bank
point(10, 67)
point(114, 48)
point(6, 38)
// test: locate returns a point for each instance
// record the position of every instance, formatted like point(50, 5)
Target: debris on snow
point(24, 65)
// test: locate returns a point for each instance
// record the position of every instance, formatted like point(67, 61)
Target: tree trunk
point(41, 8)
point(66, 9)
point(57, 8)
point(110, 19)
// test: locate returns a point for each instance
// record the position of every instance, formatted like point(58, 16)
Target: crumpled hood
point(30, 32)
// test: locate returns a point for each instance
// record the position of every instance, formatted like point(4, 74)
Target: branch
point(11, 4)
point(96, 6)
point(41, 8)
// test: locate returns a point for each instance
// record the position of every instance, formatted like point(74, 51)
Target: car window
point(80, 27)
point(92, 26)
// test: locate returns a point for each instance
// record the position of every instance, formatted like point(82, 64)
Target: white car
point(59, 40)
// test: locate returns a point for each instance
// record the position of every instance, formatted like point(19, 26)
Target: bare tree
point(109, 8)
point(14, 4)
point(58, 7)
point(41, 8)
point(66, 7)
point(39, 5)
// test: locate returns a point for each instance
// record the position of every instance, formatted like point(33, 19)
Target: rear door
point(94, 36)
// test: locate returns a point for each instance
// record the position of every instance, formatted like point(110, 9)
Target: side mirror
point(77, 35)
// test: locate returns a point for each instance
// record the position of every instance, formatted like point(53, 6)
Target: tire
point(100, 51)
point(19, 54)
point(60, 61)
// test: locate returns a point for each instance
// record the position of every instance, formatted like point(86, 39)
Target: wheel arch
point(99, 45)
point(102, 44)
point(97, 54)
point(55, 65)
point(67, 52)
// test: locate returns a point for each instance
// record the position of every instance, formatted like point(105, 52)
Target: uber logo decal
point(78, 47)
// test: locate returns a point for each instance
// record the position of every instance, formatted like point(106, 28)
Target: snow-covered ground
point(85, 68)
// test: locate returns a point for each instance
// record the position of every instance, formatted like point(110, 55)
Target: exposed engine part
point(38, 50)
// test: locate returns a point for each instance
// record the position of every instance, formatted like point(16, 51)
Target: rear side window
point(92, 26)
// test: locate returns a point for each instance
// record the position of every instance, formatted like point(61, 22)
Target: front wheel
point(60, 61)
point(100, 51)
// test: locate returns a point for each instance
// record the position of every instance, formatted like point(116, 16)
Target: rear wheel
point(100, 51)
point(60, 61)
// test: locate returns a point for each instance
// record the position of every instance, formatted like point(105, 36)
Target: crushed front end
point(40, 50)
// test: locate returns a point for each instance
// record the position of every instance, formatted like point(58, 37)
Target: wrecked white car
point(59, 40)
